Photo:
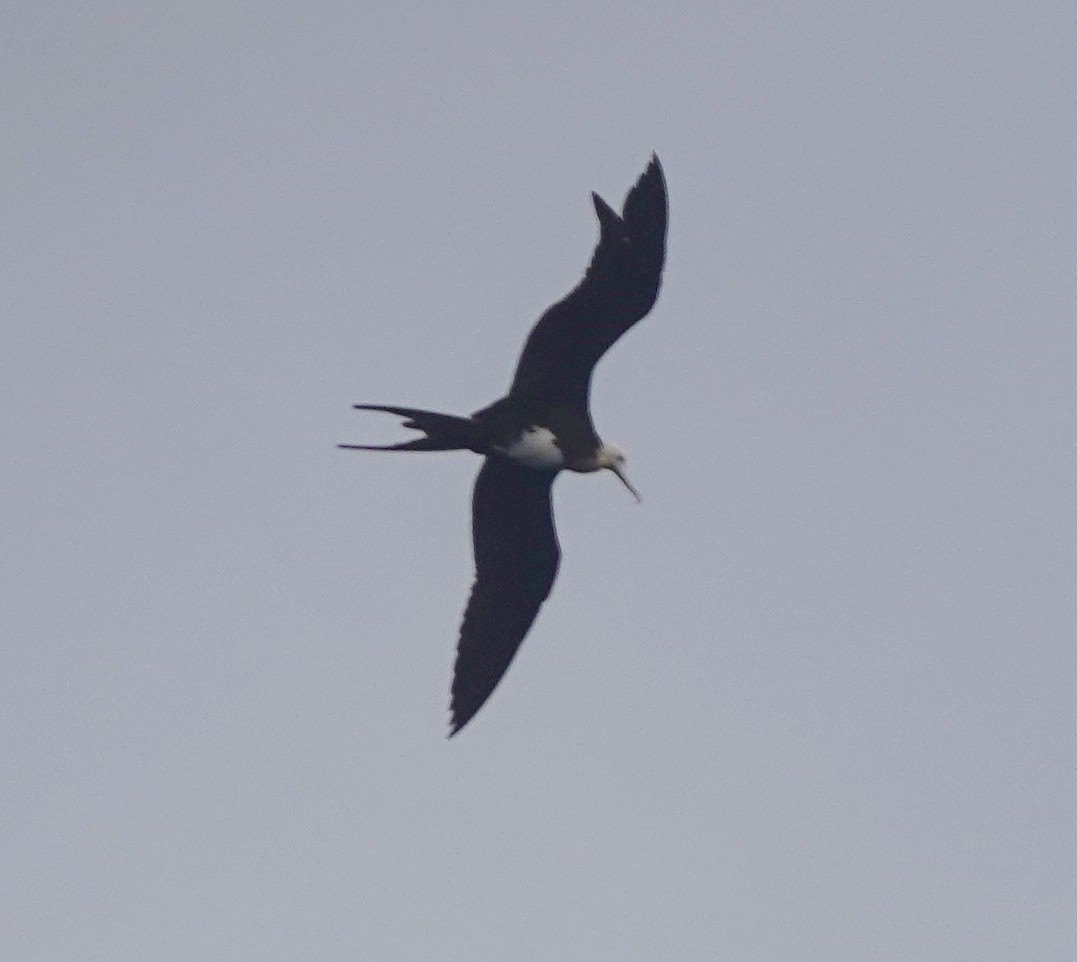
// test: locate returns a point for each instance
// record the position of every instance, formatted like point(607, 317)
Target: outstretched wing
point(516, 557)
point(619, 288)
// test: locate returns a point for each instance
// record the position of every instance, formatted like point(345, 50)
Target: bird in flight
point(541, 427)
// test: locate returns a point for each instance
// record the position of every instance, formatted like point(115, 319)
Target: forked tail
point(444, 432)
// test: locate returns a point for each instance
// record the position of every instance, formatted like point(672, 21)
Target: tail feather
point(444, 432)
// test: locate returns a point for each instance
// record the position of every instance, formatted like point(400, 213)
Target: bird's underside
point(515, 543)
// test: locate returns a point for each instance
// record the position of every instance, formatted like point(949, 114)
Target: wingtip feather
point(607, 216)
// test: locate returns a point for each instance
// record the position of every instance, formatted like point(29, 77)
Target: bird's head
point(612, 458)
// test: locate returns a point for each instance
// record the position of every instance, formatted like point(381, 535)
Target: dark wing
point(516, 556)
point(619, 288)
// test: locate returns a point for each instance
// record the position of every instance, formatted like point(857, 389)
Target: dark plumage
point(543, 425)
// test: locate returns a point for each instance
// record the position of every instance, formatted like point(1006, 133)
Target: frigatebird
point(541, 427)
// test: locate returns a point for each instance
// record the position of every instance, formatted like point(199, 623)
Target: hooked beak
point(624, 480)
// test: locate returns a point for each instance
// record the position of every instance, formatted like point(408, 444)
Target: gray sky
point(814, 699)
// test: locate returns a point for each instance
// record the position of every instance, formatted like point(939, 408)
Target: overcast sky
point(814, 699)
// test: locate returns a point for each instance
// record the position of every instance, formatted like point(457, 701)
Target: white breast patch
point(536, 448)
